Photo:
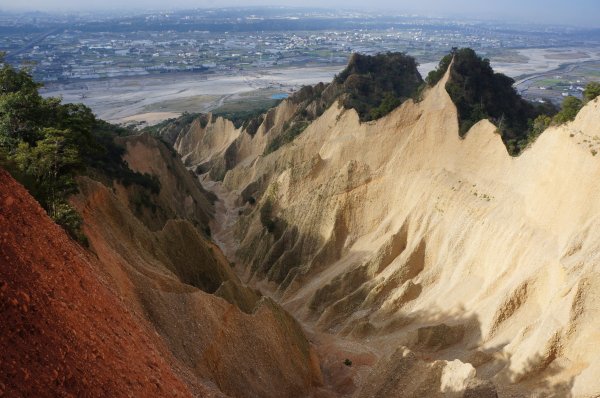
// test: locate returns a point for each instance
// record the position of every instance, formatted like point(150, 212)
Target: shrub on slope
point(46, 144)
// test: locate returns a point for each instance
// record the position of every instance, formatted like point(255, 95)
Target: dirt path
point(226, 215)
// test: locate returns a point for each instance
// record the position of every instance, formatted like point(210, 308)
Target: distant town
point(63, 49)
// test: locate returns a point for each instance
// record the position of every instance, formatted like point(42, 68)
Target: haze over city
point(579, 12)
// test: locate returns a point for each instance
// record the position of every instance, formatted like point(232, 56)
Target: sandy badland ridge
point(438, 253)
point(440, 266)
point(226, 337)
point(151, 309)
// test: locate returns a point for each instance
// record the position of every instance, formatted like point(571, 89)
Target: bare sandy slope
point(397, 233)
point(64, 331)
point(227, 339)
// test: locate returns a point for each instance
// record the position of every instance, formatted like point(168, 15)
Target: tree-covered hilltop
point(45, 144)
point(480, 93)
point(372, 85)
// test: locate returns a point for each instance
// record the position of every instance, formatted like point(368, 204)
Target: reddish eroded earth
point(63, 332)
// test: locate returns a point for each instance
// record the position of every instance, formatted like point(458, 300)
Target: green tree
point(49, 168)
point(53, 163)
point(388, 104)
point(20, 107)
point(536, 128)
point(46, 144)
point(436, 75)
point(540, 124)
point(592, 90)
point(568, 110)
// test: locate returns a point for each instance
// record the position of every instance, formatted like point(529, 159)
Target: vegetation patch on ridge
point(168, 130)
point(372, 85)
point(480, 93)
point(45, 144)
point(242, 113)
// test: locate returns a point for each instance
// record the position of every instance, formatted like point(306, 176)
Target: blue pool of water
point(280, 96)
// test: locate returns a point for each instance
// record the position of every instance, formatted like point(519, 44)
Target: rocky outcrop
point(180, 197)
point(404, 374)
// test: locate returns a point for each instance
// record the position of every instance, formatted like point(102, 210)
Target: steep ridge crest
point(498, 246)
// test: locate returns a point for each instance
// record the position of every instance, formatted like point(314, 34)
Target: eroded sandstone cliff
point(151, 308)
point(400, 235)
point(164, 264)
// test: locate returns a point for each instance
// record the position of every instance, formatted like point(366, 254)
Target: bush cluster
point(45, 144)
point(480, 93)
point(374, 85)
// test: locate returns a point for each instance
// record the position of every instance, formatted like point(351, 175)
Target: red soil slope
point(62, 331)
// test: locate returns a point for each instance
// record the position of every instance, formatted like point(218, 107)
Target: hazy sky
point(570, 12)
